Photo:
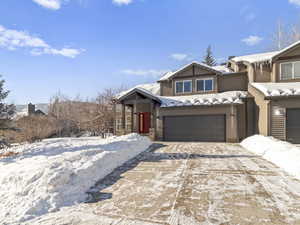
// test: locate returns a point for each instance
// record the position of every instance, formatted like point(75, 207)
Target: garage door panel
point(195, 128)
point(293, 125)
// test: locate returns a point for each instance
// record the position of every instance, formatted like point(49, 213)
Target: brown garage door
point(195, 128)
point(293, 125)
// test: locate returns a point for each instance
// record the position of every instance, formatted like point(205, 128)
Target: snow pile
point(278, 89)
point(283, 154)
point(230, 97)
point(54, 173)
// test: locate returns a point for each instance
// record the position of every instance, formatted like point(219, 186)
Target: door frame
point(286, 121)
point(142, 121)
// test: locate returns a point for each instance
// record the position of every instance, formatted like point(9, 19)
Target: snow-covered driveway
point(189, 184)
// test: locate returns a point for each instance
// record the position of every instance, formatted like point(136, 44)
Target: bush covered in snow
point(283, 154)
point(48, 175)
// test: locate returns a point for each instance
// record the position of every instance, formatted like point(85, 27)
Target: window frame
point(183, 91)
point(293, 70)
point(205, 79)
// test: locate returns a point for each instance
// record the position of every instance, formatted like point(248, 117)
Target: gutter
point(281, 97)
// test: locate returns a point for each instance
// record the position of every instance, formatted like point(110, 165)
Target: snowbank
point(283, 154)
point(54, 173)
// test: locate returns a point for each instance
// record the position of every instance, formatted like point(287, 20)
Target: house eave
point(143, 93)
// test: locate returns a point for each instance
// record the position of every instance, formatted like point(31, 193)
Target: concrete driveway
point(189, 184)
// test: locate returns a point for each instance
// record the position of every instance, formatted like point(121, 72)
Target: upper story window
point(290, 70)
point(205, 85)
point(183, 86)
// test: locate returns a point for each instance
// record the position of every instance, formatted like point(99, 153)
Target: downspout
point(234, 127)
point(246, 117)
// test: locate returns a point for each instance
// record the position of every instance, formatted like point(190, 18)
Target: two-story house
point(251, 94)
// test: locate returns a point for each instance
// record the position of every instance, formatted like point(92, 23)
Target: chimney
point(31, 109)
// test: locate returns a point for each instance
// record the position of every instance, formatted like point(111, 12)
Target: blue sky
point(84, 46)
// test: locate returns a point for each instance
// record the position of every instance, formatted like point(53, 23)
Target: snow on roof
point(267, 56)
point(263, 57)
point(223, 69)
point(171, 73)
point(278, 89)
point(152, 89)
point(229, 97)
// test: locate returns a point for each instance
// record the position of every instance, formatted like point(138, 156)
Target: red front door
point(144, 122)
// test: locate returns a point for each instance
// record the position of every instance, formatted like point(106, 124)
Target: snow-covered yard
point(283, 154)
point(189, 183)
point(54, 173)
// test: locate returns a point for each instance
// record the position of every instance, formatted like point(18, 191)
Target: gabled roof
point(148, 90)
point(170, 74)
point(264, 57)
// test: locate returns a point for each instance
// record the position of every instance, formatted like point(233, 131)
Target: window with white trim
point(290, 70)
point(205, 84)
point(184, 86)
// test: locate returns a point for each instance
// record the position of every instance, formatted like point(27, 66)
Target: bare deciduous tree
point(285, 35)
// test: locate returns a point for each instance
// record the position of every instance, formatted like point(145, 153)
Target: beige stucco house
point(253, 94)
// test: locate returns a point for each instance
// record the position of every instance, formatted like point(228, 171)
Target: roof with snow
point(152, 91)
point(153, 88)
point(254, 58)
point(223, 68)
point(230, 97)
point(278, 89)
point(263, 57)
point(216, 69)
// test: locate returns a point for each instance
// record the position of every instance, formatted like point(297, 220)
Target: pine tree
point(209, 59)
point(6, 110)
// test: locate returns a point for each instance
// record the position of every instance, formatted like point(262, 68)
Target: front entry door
point(144, 122)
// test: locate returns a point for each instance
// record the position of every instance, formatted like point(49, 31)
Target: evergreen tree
point(209, 59)
point(6, 110)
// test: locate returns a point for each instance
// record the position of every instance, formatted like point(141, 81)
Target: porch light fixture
point(278, 112)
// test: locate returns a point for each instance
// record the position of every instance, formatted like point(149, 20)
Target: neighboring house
point(250, 94)
point(31, 109)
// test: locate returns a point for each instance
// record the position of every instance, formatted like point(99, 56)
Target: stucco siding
point(261, 112)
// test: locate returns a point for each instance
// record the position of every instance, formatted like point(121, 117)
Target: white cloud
point(179, 56)
point(14, 39)
point(50, 4)
point(252, 40)
point(122, 2)
point(295, 2)
point(153, 73)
